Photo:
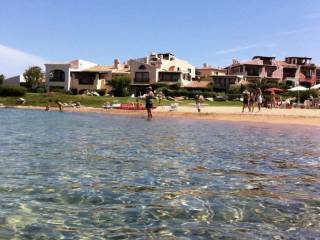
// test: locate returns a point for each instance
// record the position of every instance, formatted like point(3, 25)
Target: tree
point(120, 85)
point(2, 78)
point(33, 76)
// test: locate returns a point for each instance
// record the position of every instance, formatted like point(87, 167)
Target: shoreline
point(307, 117)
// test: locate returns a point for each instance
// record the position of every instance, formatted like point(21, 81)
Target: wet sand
point(309, 117)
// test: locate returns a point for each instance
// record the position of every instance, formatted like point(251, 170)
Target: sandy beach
point(278, 116)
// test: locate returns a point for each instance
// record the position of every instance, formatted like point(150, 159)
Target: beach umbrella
point(316, 86)
point(298, 89)
point(273, 90)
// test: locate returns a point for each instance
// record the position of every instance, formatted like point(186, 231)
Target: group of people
point(60, 106)
point(250, 98)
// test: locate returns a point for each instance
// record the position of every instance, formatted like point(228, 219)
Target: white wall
point(64, 67)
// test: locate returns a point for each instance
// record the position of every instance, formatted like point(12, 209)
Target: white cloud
point(14, 62)
point(242, 48)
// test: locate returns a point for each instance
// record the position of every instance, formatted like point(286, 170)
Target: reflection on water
point(81, 176)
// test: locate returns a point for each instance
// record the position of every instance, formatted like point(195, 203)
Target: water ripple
point(90, 176)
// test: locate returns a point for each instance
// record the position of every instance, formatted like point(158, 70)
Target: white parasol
point(298, 89)
point(316, 86)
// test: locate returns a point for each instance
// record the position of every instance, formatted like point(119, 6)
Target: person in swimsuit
point(273, 100)
point(259, 98)
point(198, 102)
point(60, 105)
point(149, 102)
point(252, 100)
point(245, 101)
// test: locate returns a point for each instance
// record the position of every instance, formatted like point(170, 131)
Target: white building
point(82, 75)
point(160, 68)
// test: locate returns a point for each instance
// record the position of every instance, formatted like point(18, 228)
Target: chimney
point(235, 61)
point(116, 63)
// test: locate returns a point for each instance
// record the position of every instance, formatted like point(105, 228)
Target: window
point(85, 78)
point(142, 77)
point(189, 70)
point(252, 71)
point(169, 77)
point(103, 75)
point(269, 72)
point(56, 76)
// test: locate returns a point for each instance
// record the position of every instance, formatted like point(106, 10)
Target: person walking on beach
point(149, 102)
point(259, 98)
point(245, 101)
point(273, 100)
point(198, 102)
point(252, 101)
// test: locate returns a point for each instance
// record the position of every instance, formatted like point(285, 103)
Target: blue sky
point(38, 31)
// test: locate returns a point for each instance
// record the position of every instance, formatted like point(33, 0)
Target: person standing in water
point(198, 102)
point(60, 105)
point(149, 102)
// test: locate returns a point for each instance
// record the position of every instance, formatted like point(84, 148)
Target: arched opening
point(142, 67)
point(57, 76)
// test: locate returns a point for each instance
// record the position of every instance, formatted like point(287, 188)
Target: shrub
point(236, 89)
point(120, 85)
point(7, 90)
point(190, 94)
point(220, 98)
point(73, 91)
point(101, 92)
point(40, 90)
point(2, 78)
point(233, 97)
point(33, 76)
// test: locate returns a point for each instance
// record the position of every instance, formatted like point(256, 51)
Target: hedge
point(7, 90)
point(190, 94)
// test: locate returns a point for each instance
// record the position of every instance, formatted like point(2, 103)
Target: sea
point(101, 176)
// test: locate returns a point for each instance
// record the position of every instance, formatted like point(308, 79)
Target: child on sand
point(47, 107)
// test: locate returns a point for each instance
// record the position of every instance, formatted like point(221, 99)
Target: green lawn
point(41, 99)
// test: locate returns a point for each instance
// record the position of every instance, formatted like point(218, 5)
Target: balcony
point(169, 76)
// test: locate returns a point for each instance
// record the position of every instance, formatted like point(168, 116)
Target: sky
point(34, 32)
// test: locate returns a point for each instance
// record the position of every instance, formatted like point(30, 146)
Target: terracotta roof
point(98, 68)
point(121, 71)
point(198, 84)
point(285, 64)
point(253, 62)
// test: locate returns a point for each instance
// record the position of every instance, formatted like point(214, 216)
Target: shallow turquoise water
point(90, 176)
